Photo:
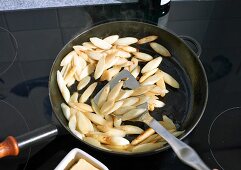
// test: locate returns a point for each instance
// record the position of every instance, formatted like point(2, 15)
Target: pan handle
point(11, 146)
point(195, 44)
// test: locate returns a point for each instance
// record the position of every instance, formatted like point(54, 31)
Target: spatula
point(184, 152)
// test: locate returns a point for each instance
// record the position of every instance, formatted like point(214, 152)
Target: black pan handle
point(194, 44)
point(11, 146)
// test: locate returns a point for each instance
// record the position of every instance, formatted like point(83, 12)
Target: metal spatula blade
point(130, 82)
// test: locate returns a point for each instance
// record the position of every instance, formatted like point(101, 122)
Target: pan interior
point(181, 106)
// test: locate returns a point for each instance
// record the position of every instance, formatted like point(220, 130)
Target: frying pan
point(185, 105)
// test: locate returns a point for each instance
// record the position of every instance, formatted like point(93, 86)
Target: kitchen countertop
point(6, 5)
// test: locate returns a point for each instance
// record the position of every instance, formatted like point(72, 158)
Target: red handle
point(9, 147)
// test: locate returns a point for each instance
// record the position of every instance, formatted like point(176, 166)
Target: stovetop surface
point(31, 39)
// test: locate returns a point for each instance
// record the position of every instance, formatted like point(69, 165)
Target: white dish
point(74, 155)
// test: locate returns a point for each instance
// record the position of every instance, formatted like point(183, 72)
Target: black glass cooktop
point(31, 39)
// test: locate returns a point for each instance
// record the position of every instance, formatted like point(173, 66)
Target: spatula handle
point(185, 153)
point(9, 147)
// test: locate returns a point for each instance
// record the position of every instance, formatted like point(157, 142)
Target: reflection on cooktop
point(31, 84)
point(9, 50)
point(219, 67)
point(13, 123)
point(224, 139)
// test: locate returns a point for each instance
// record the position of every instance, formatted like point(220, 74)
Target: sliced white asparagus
point(89, 45)
point(160, 49)
point(95, 107)
point(123, 110)
point(83, 123)
point(72, 123)
point(85, 57)
point(107, 106)
point(63, 70)
point(143, 136)
point(149, 139)
point(143, 56)
point(170, 80)
point(81, 107)
point(147, 147)
point(117, 121)
point(95, 128)
point(111, 131)
point(151, 65)
point(151, 95)
point(78, 48)
point(178, 133)
point(66, 71)
point(123, 54)
point(71, 81)
point(74, 97)
point(126, 41)
point(87, 93)
point(119, 148)
point(82, 64)
point(100, 43)
point(95, 118)
point(95, 55)
point(121, 61)
point(115, 91)
point(126, 64)
point(116, 106)
point(130, 101)
point(111, 140)
point(87, 71)
point(62, 87)
point(72, 127)
point(157, 103)
point(142, 99)
point(127, 68)
point(132, 114)
point(170, 124)
point(127, 48)
point(148, 74)
point(158, 90)
point(111, 60)
point(115, 132)
point(162, 85)
point(68, 58)
point(92, 141)
point(78, 134)
point(99, 68)
point(111, 51)
point(134, 64)
point(111, 39)
point(70, 74)
point(83, 83)
point(110, 73)
point(151, 80)
point(130, 129)
point(147, 39)
point(110, 120)
point(73, 111)
point(142, 89)
point(136, 71)
point(65, 110)
point(103, 96)
point(124, 94)
point(78, 62)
